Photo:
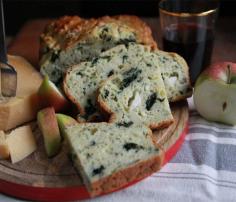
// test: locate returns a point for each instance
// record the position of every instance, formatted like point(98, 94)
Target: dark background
point(19, 11)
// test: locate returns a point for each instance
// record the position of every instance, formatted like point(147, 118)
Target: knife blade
point(8, 73)
point(8, 80)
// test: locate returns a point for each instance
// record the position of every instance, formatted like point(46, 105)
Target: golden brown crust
point(161, 125)
point(182, 97)
point(64, 32)
point(142, 29)
point(68, 30)
point(121, 178)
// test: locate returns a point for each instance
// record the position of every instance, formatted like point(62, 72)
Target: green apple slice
point(50, 96)
point(64, 121)
point(48, 125)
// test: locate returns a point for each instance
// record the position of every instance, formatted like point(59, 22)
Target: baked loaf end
point(71, 39)
point(109, 156)
point(136, 95)
point(175, 74)
point(82, 81)
point(144, 33)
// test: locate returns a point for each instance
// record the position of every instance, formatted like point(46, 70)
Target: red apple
point(50, 96)
point(64, 121)
point(215, 93)
point(47, 123)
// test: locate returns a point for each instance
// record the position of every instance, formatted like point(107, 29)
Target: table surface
point(224, 49)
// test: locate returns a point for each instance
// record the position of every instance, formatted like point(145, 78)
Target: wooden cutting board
point(40, 178)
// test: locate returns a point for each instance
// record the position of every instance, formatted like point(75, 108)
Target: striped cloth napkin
point(203, 170)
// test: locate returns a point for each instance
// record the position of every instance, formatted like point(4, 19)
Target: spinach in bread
point(125, 124)
point(151, 101)
point(129, 76)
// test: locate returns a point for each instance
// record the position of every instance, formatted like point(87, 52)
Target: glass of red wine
point(188, 28)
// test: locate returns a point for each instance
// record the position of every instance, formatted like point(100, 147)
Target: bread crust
point(68, 30)
point(143, 30)
point(121, 178)
point(65, 31)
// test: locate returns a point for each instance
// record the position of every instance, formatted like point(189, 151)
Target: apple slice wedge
point(47, 123)
point(50, 96)
point(64, 121)
point(215, 93)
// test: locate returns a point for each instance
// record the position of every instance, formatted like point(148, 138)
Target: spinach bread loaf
point(136, 95)
point(71, 39)
point(108, 156)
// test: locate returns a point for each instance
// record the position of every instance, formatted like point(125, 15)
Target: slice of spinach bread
point(136, 95)
point(175, 74)
point(108, 156)
point(71, 39)
point(82, 81)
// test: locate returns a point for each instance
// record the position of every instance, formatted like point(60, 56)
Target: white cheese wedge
point(21, 143)
point(22, 108)
point(4, 150)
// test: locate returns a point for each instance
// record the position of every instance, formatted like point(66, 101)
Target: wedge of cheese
point(4, 150)
point(22, 108)
point(21, 143)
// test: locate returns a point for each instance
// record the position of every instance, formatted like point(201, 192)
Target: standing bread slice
point(175, 74)
point(136, 95)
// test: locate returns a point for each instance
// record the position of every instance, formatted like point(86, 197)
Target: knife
point(8, 73)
